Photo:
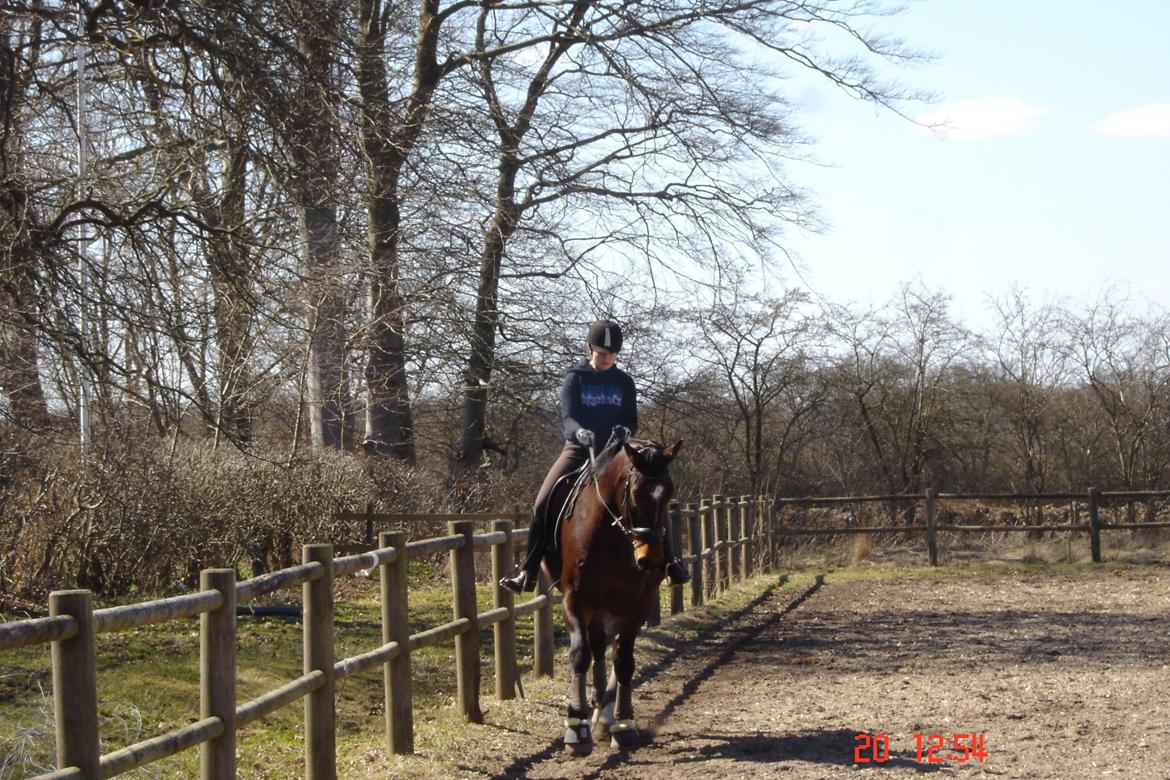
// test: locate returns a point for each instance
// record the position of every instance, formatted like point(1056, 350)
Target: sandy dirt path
point(1064, 674)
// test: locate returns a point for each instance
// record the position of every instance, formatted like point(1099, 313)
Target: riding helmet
point(605, 336)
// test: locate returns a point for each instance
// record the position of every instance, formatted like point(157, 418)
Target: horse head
point(647, 497)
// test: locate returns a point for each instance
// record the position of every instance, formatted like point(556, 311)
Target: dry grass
point(862, 547)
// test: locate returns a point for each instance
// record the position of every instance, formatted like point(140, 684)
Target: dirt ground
point(1063, 673)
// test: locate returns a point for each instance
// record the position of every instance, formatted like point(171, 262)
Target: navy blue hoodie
point(598, 400)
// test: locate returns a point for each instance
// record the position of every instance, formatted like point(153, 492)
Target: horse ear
point(672, 450)
point(630, 452)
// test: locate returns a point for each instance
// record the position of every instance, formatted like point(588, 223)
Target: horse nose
point(643, 562)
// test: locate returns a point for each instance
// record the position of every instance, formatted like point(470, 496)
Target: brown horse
point(609, 568)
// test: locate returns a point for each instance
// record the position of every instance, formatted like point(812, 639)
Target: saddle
point(563, 500)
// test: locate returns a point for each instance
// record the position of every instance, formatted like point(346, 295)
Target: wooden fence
point(931, 501)
point(720, 533)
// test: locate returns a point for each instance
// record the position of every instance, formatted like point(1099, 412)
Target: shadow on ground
point(521, 766)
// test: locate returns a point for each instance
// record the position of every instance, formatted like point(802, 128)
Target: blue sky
point(1055, 175)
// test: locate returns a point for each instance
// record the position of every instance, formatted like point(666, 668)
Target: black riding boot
point(530, 571)
point(675, 569)
point(524, 581)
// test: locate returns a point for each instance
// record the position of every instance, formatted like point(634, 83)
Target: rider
point(597, 399)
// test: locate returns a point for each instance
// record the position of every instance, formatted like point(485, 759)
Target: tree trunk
point(477, 378)
point(233, 282)
point(314, 147)
point(387, 144)
point(20, 379)
point(328, 390)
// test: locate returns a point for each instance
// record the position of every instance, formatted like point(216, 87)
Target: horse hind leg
point(578, 737)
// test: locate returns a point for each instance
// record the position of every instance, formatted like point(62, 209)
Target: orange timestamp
point(929, 748)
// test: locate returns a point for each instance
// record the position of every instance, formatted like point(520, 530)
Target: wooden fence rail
point(931, 501)
point(73, 625)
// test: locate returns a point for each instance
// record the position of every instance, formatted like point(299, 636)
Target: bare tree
point(1032, 363)
point(635, 135)
point(20, 44)
point(1121, 360)
point(764, 350)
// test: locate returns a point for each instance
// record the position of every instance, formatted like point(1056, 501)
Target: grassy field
point(148, 684)
point(148, 681)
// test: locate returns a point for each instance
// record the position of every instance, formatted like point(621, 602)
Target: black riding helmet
point(605, 336)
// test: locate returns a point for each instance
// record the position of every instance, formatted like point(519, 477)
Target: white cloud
point(974, 120)
point(1149, 120)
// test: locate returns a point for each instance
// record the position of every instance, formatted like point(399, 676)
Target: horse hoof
point(623, 735)
point(601, 725)
point(578, 739)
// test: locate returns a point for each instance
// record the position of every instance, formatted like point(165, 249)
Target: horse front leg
point(623, 733)
point(578, 737)
point(603, 693)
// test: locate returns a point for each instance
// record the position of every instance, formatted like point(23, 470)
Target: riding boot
point(530, 571)
point(524, 581)
point(675, 569)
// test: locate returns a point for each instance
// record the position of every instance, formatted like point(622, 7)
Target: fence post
point(718, 581)
point(75, 686)
point(723, 533)
point(217, 674)
point(931, 526)
point(768, 521)
point(396, 628)
point(676, 591)
point(467, 671)
point(1095, 524)
point(320, 717)
point(695, 541)
point(655, 616)
point(542, 631)
point(745, 536)
point(505, 630)
point(732, 571)
point(709, 580)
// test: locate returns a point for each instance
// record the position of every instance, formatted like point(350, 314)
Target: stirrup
point(520, 583)
point(677, 573)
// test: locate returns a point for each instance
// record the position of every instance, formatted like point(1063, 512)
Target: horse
point(610, 565)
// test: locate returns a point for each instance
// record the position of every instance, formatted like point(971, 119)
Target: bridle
point(635, 534)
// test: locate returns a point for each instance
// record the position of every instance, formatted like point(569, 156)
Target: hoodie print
point(601, 395)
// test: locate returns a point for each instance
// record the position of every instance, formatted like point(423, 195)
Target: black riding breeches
point(544, 516)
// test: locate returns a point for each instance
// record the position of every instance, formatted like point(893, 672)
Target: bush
point(141, 516)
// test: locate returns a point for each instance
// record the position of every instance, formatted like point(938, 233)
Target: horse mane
point(651, 450)
point(604, 458)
